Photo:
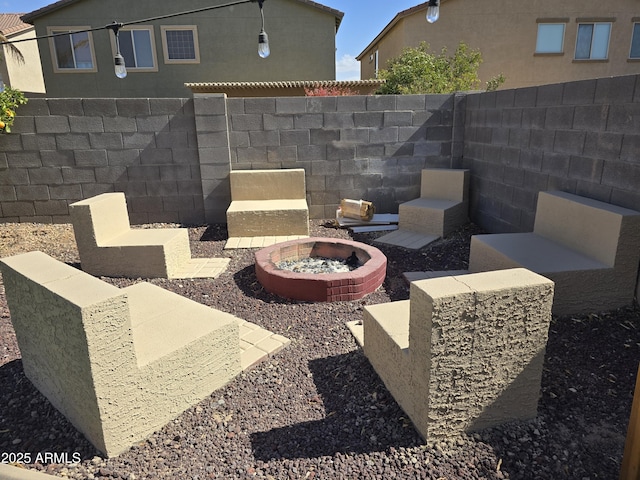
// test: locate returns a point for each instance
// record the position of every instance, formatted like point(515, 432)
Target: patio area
point(318, 409)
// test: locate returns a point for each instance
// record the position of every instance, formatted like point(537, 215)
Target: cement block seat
point(464, 352)
point(590, 249)
point(121, 363)
point(267, 203)
point(441, 208)
point(109, 246)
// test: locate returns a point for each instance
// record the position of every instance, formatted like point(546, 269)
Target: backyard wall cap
point(209, 87)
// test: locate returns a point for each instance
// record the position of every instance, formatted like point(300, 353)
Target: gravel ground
point(317, 409)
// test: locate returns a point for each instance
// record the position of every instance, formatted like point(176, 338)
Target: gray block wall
point(580, 137)
point(172, 157)
point(65, 150)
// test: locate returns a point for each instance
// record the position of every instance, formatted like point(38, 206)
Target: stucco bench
point(464, 352)
point(121, 363)
point(109, 246)
point(267, 204)
point(442, 207)
point(589, 248)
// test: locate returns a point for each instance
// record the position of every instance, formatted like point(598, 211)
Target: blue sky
point(363, 20)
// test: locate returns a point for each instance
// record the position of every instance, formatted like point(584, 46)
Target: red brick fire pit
point(321, 287)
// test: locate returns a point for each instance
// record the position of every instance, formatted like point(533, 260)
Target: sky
point(362, 21)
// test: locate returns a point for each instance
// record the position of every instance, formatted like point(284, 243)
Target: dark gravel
point(318, 410)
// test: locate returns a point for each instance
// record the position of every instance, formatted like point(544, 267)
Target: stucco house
point(24, 74)
point(161, 55)
point(531, 43)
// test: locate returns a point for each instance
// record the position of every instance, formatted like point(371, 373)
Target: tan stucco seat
point(267, 203)
point(442, 207)
point(118, 363)
point(589, 248)
point(109, 246)
point(464, 352)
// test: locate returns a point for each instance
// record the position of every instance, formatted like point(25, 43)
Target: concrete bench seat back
point(443, 204)
point(109, 246)
point(589, 248)
point(118, 363)
point(464, 352)
point(268, 202)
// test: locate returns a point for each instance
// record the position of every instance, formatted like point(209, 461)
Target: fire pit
point(321, 287)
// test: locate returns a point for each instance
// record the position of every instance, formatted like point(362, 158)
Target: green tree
point(418, 71)
point(10, 99)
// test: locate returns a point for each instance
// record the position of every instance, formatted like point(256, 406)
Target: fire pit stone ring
point(320, 287)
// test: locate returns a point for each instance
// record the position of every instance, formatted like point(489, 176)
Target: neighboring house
point(219, 45)
point(25, 74)
point(531, 43)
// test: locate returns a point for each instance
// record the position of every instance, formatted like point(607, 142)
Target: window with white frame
point(180, 44)
point(550, 38)
point(72, 51)
point(137, 46)
point(592, 42)
point(635, 42)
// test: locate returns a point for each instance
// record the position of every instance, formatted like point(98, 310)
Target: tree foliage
point(10, 99)
point(418, 71)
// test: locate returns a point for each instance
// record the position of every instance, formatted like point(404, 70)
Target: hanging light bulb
point(263, 39)
point(120, 67)
point(263, 44)
point(433, 11)
point(118, 59)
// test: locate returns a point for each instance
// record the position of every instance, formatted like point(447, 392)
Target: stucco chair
point(589, 248)
point(464, 352)
point(442, 207)
point(121, 363)
point(267, 205)
point(109, 246)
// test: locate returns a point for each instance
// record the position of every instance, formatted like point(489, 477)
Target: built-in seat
point(589, 248)
point(108, 245)
point(442, 207)
point(267, 204)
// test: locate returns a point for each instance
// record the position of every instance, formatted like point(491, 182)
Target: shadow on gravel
point(360, 415)
point(215, 233)
point(30, 424)
point(248, 283)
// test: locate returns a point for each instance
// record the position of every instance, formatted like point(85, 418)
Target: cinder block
point(52, 124)
point(85, 124)
point(99, 107)
point(133, 107)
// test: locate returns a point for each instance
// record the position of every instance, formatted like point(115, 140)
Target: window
point(592, 42)
point(180, 44)
point(138, 48)
point(72, 52)
point(635, 42)
point(550, 38)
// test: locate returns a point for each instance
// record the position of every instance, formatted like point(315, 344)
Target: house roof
point(29, 17)
point(10, 24)
point(204, 87)
point(399, 16)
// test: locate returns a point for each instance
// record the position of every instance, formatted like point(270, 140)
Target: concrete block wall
point(65, 150)
point(360, 147)
point(579, 137)
point(172, 157)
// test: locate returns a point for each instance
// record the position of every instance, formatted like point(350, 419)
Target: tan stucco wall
point(301, 37)
point(26, 76)
point(506, 31)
